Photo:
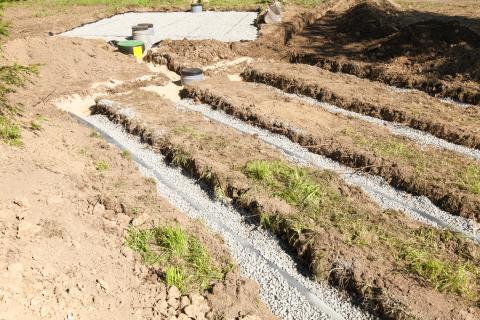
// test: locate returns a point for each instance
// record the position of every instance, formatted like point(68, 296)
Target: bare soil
point(217, 155)
point(415, 109)
point(433, 173)
point(430, 52)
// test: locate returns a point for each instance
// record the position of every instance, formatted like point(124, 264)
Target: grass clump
point(10, 132)
point(183, 260)
point(436, 256)
point(471, 179)
point(102, 165)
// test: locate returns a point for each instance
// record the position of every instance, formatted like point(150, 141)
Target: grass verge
point(181, 258)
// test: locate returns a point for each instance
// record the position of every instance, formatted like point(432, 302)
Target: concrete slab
point(223, 26)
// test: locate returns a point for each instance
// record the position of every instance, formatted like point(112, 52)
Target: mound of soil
point(433, 53)
point(179, 54)
point(367, 20)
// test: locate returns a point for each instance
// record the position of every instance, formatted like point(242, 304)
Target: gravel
point(417, 207)
point(420, 137)
point(288, 293)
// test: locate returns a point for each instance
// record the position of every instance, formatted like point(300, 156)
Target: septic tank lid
point(192, 72)
point(130, 43)
point(139, 28)
point(148, 25)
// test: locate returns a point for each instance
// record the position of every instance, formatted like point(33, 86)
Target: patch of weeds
point(94, 134)
point(126, 155)
point(471, 179)
point(442, 275)
point(180, 158)
point(191, 132)
point(36, 124)
point(102, 165)
point(184, 261)
point(10, 132)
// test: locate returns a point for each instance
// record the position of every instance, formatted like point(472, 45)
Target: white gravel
point(420, 137)
point(418, 207)
point(286, 291)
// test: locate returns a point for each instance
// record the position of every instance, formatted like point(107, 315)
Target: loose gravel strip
point(419, 208)
point(420, 137)
point(289, 294)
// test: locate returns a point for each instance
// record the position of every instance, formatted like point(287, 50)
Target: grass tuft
point(471, 179)
point(102, 165)
point(184, 261)
point(10, 132)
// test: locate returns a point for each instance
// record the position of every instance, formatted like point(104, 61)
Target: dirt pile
point(434, 53)
point(368, 20)
point(179, 54)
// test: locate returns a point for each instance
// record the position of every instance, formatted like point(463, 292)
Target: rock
point(110, 215)
point(99, 209)
point(192, 311)
point(196, 298)
point(183, 316)
point(123, 219)
point(174, 303)
point(54, 200)
point(210, 315)
point(174, 293)
point(184, 301)
point(137, 221)
point(26, 229)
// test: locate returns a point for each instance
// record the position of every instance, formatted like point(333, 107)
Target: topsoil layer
point(217, 157)
point(442, 176)
point(415, 109)
point(435, 54)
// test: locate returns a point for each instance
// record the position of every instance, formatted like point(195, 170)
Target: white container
point(191, 75)
point(142, 34)
point(151, 30)
point(197, 7)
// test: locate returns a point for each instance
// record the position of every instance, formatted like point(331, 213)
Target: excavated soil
point(63, 221)
point(415, 109)
point(179, 54)
point(433, 173)
point(216, 155)
point(435, 54)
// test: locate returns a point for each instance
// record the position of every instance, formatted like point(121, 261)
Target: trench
point(288, 293)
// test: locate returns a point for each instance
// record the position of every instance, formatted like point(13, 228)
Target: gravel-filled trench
point(417, 207)
point(288, 293)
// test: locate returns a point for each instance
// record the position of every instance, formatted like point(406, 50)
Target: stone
point(26, 229)
point(110, 215)
point(210, 315)
point(137, 221)
point(173, 292)
point(191, 311)
point(174, 303)
point(196, 298)
point(123, 219)
point(99, 209)
point(184, 301)
point(183, 316)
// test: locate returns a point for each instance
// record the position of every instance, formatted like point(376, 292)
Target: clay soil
point(430, 172)
point(415, 109)
point(435, 53)
point(217, 157)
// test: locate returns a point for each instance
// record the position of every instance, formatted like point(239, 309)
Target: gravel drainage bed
point(289, 294)
point(446, 178)
point(414, 109)
point(215, 155)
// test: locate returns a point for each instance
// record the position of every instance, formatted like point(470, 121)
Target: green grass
point(126, 155)
point(471, 179)
point(321, 206)
point(182, 259)
point(102, 165)
point(10, 132)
